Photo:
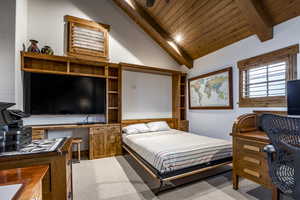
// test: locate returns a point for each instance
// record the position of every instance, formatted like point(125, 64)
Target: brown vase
point(33, 47)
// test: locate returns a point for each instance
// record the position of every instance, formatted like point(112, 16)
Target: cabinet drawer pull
point(252, 160)
point(251, 148)
point(252, 173)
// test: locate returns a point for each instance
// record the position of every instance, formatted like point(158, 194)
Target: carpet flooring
point(120, 178)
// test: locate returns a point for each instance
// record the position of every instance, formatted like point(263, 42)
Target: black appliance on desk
point(13, 135)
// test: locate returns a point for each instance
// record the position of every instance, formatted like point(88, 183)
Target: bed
point(172, 154)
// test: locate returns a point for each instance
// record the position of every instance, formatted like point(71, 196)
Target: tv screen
point(293, 97)
point(62, 94)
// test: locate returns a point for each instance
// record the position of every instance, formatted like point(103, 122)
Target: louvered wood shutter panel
point(268, 80)
point(87, 39)
point(262, 79)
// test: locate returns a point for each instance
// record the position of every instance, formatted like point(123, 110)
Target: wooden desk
point(30, 178)
point(104, 139)
point(249, 160)
point(39, 131)
point(57, 183)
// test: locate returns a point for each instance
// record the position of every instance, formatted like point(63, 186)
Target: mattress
point(172, 150)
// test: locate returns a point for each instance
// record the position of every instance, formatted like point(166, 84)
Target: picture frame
point(211, 91)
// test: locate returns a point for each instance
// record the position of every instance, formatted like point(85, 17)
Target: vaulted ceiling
point(190, 29)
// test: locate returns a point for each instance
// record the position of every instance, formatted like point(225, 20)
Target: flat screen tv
point(293, 97)
point(61, 94)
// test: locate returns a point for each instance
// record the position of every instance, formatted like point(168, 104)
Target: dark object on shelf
point(13, 135)
point(284, 152)
point(47, 50)
point(33, 47)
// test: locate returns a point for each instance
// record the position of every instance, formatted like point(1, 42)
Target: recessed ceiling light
point(178, 38)
point(129, 2)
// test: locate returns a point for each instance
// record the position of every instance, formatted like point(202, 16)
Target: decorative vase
point(33, 47)
point(47, 50)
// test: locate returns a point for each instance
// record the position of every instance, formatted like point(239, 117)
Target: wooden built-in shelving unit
point(114, 93)
point(105, 139)
point(182, 97)
point(64, 65)
point(179, 100)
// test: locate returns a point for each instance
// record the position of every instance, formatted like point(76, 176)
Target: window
point(263, 78)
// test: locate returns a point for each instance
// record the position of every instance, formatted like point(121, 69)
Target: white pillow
point(136, 128)
point(158, 126)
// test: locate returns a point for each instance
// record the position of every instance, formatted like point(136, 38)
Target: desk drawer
point(38, 134)
point(251, 147)
point(258, 174)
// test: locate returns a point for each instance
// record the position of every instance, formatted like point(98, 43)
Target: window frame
point(289, 55)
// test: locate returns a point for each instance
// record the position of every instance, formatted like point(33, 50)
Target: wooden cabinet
point(105, 141)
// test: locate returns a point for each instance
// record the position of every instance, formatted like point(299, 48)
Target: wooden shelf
point(113, 92)
point(113, 108)
point(113, 77)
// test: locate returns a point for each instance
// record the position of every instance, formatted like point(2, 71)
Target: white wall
point(218, 123)
point(128, 42)
point(7, 50)
point(146, 95)
point(20, 38)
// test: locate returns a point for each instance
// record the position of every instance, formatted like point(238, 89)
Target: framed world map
point(212, 90)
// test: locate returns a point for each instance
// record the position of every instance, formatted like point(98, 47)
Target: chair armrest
point(270, 149)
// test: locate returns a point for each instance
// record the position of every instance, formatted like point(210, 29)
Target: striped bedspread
point(173, 150)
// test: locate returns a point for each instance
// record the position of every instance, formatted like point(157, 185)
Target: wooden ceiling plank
point(177, 6)
point(180, 15)
point(192, 20)
point(166, 9)
point(219, 29)
point(149, 25)
point(282, 15)
point(208, 46)
point(257, 18)
point(216, 22)
point(241, 34)
point(211, 42)
point(173, 8)
point(189, 17)
point(213, 9)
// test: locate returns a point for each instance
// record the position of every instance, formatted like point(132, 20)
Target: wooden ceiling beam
point(150, 26)
point(257, 18)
